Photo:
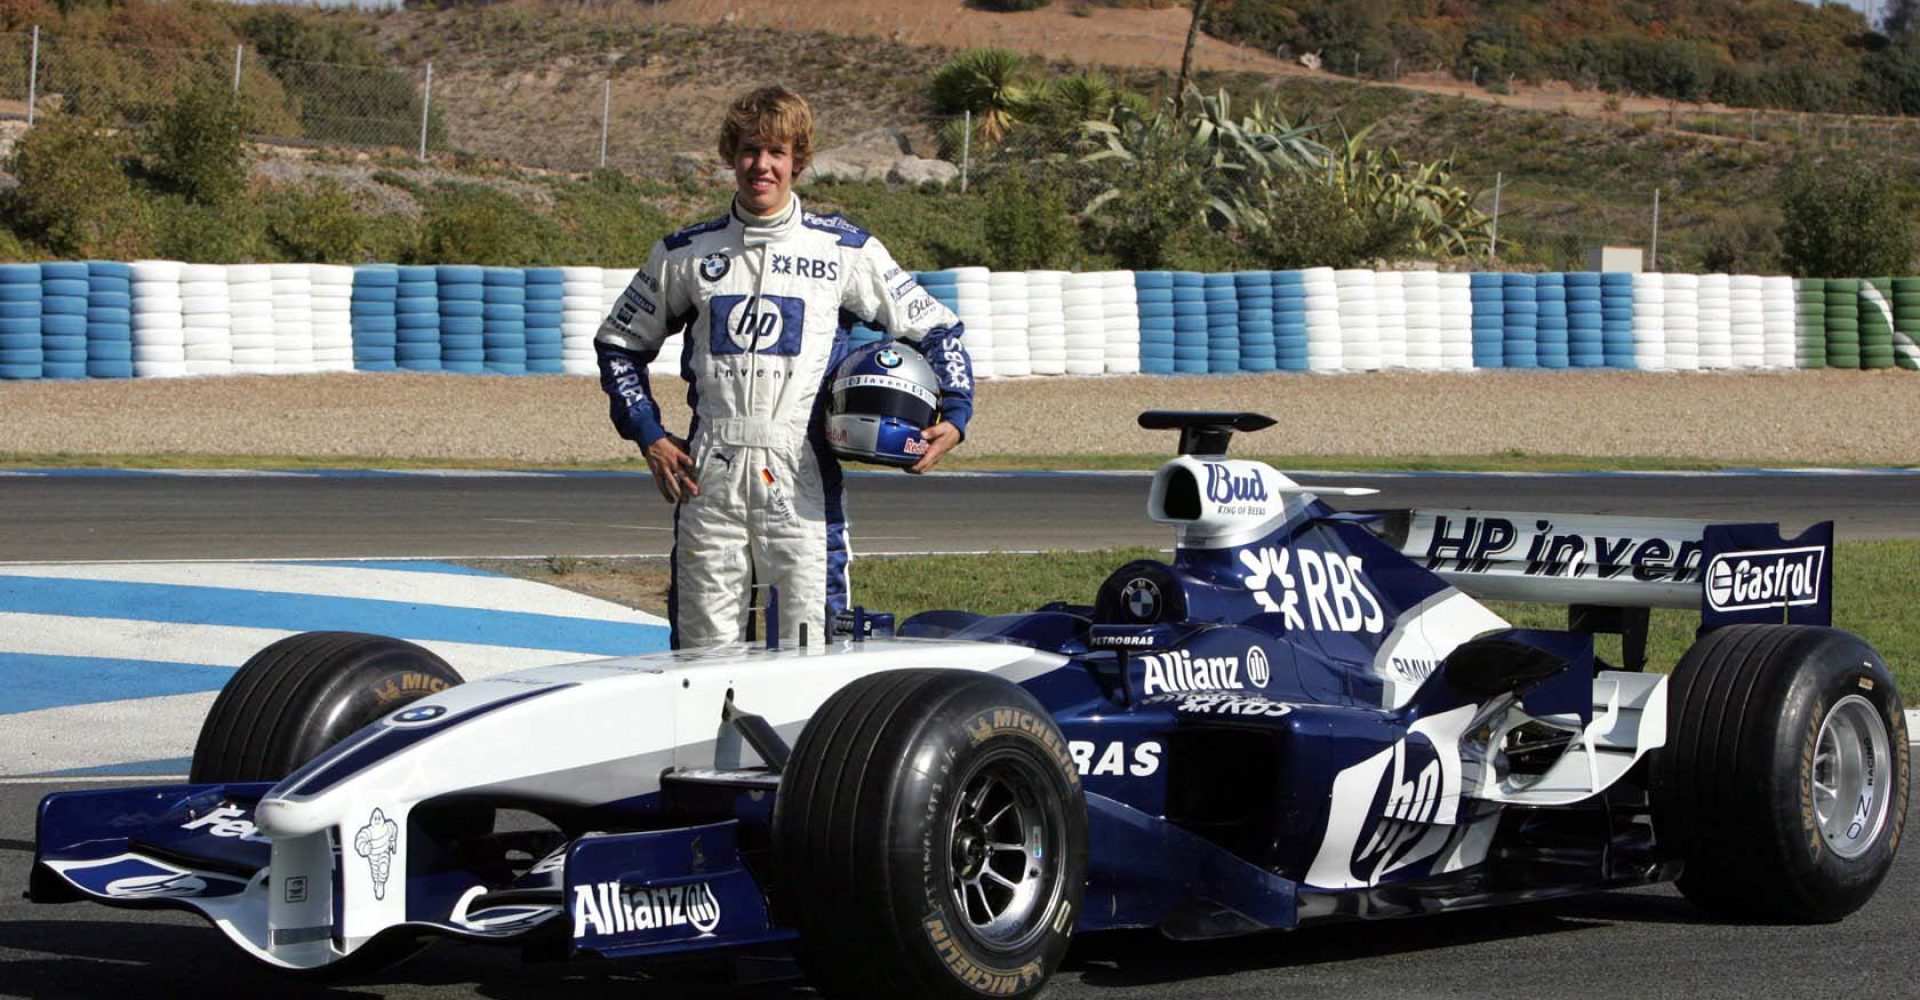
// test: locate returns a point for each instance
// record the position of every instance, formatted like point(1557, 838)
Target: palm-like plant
point(987, 82)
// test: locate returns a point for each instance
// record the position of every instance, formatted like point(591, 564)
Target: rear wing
point(1731, 573)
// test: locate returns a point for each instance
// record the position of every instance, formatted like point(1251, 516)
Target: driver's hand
point(940, 438)
point(672, 469)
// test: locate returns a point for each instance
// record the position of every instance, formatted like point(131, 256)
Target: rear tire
point(929, 839)
point(305, 693)
point(1783, 783)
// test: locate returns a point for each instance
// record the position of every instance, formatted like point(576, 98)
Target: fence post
point(1654, 253)
point(426, 108)
point(606, 113)
point(33, 76)
point(966, 148)
point(237, 49)
point(1493, 239)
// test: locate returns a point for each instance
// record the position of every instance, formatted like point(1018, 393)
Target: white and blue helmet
point(881, 397)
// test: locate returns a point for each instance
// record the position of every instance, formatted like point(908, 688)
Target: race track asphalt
point(108, 516)
point(1646, 944)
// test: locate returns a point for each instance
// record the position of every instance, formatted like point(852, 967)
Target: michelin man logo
point(378, 842)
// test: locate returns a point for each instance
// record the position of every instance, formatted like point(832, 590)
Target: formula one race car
point(1305, 716)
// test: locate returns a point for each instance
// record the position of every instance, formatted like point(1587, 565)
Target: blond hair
point(773, 113)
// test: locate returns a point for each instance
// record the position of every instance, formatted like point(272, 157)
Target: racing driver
point(765, 296)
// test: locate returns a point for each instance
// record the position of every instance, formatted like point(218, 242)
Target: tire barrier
point(1876, 322)
point(973, 303)
point(63, 320)
point(153, 318)
point(1906, 323)
point(1189, 323)
point(1550, 324)
point(1779, 307)
point(1586, 321)
point(1420, 291)
point(580, 315)
point(1683, 322)
point(21, 356)
point(1323, 318)
point(110, 320)
point(416, 307)
point(250, 331)
point(1810, 296)
point(546, 290)
point(1084, 310)
point(1747, 321)
point(1486, 294)
point(503, 320)
point(1843, 323)
point(1047, 322)
point(1359, 320)
point(1007, 297)
point(462, 318)
point(1153, 291)
point(292, 316)
point(159, 347)
point(1223, 322)
point(375, 313)
point(1120, 312)
point(1520, 327)
point(332, 289)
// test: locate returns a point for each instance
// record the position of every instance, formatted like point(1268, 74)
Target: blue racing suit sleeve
point(623, 376)
point(882, 292)
point(630, 338)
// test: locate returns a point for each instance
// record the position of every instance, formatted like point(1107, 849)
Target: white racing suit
point(766, 312)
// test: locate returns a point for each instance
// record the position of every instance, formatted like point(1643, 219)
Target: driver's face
point(763, 174)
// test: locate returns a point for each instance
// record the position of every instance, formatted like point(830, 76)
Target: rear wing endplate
point(1731, 573)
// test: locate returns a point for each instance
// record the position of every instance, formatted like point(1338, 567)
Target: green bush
point(228, 232)
point(74, 196)
point(199, 146)
point(471, 224)
point(1843, 219)
point(1320, 230)
point(315, 223)
point(606, 222)
point(1027, 223)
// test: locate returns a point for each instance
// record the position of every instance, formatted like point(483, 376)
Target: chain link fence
point(571, 116)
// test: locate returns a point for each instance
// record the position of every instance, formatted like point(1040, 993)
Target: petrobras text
point(1772, 578)
point(612, 908)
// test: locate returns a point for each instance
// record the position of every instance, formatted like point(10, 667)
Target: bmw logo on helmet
point(888, 358)
point(1142, 598)
point(715, 266)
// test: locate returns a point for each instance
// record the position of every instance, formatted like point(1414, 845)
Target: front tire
point(305, 693)
point(1783, 784)
point(930, 839)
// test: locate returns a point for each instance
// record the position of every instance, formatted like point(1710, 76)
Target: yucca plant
point(990, 83)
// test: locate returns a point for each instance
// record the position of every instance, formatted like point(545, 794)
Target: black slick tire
point(1743, 791)
point(305, 693)
point(881, 833)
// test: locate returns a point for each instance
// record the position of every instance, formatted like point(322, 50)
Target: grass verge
point(1873, 586)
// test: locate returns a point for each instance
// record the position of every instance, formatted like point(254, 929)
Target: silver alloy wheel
point(1005, 836)
point(1851, 758)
